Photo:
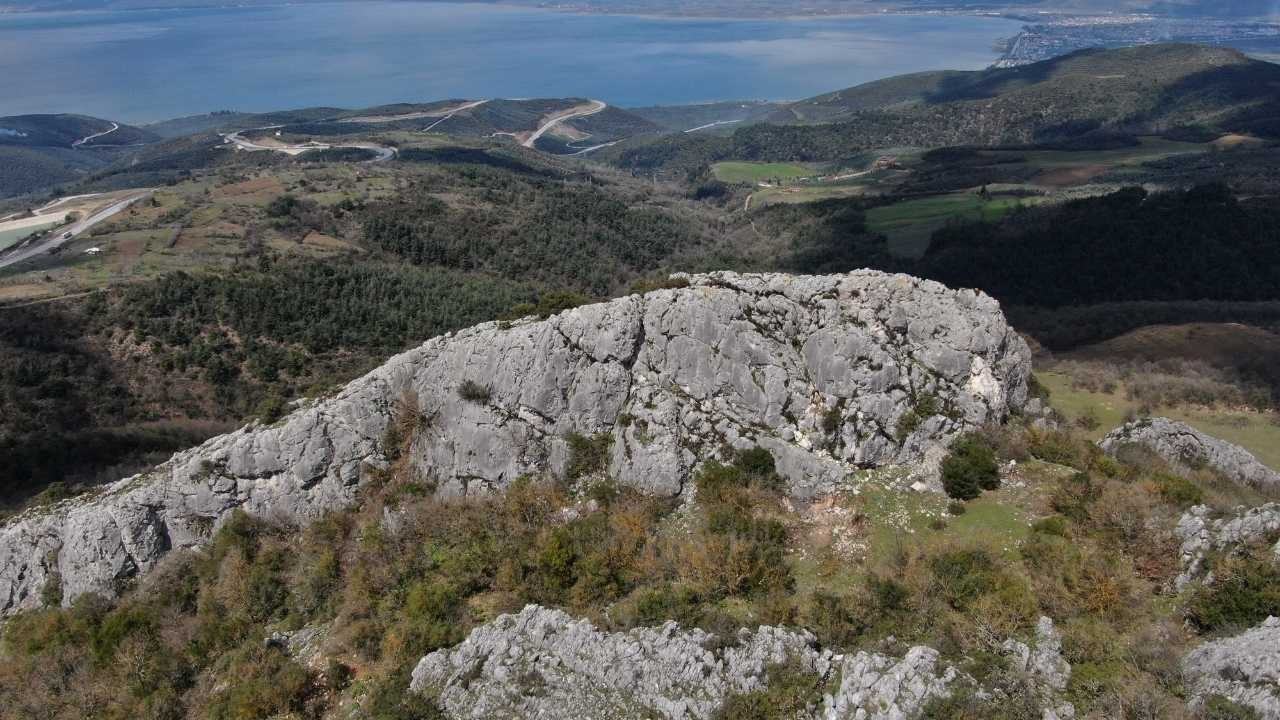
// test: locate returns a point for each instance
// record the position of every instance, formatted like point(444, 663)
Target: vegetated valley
point(1120, 205)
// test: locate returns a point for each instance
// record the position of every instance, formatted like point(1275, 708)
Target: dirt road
point(383, 153)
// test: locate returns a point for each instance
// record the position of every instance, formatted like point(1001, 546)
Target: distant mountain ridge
point(1148, 87)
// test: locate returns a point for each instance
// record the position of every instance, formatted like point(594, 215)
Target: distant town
point(1064, 34)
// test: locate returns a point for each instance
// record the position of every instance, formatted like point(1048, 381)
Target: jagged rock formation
point(821, 371)
point(1200, 533)
point(541, 663)
point(1244, 669)
point(1186, 448)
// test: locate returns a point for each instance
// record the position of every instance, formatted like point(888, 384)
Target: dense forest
point(1199, 244)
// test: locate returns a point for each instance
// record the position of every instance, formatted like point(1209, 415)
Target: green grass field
point(9, 238)
point(1256, 432)
point(909, 225)
point(753, 172)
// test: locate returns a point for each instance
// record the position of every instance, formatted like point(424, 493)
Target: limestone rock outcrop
point(1199, 533)
point(1185, 447)
point(1244, 669)
point(822, 371)
point(541, 663)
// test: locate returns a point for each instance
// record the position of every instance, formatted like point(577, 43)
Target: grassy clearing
point(909, 225)
point(1256, 432)
point(753, 172)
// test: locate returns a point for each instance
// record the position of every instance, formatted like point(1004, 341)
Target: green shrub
point(790, 691)
point(587, 455)
point(1053, 525)
point(1217, 707)
point(473, 391)
point(962, 576)
point(271, 408)
point(1177, 490)
point(1245, 591)
point(956, 508)
point(969, 468)
point(267, 684)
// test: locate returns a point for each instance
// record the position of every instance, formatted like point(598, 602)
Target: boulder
point(821, 371)
point(1186, 448)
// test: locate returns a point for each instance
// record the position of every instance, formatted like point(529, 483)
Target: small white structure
point(93, 251)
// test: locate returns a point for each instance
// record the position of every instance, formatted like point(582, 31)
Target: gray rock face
point(1244, 669)
point(1185, 447)
point(818, 370)
point(1200, 533)
point(541, 663)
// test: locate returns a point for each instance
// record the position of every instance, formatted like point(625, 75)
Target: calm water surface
point(148, 65)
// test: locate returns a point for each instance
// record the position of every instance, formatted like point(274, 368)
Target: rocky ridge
point(542, 663)
point(1186, 448)
point(824, 372)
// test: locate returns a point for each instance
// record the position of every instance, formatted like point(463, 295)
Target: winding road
point(63, 235)
point(384, 153)
point(83, 140)
point(591, 108)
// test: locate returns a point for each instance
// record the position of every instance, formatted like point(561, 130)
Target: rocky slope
point(1184, 447)
point(541, 663)
point(824, 372)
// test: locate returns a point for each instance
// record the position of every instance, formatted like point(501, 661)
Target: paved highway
point(61, 236)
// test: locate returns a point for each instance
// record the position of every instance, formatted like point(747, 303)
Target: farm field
point(755, 172)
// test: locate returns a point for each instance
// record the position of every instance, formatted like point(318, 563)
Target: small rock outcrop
point(1042, 660)
point(824, 372)
point(1186, 448)
point(1199, 533)
point(1244, 669)
point(541, 663)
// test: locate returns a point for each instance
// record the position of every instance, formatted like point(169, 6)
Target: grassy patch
point(754, 172)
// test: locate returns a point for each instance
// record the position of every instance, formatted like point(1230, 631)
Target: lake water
point(146, 65)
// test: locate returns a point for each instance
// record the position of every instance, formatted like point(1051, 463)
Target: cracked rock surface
point(819, 370)
point(1199, 533)
point(542, 663)
point(1185, 447)
point(1244, 669)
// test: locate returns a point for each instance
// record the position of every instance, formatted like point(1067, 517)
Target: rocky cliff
point(831, 374)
